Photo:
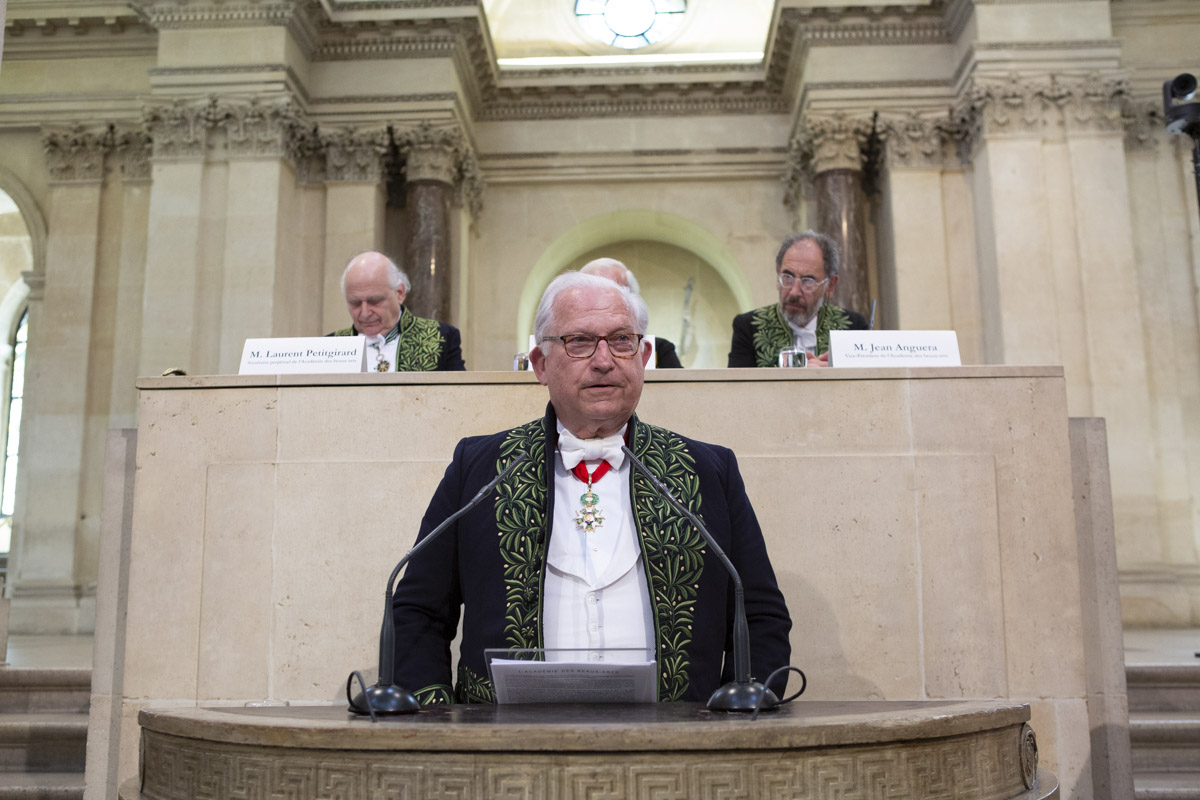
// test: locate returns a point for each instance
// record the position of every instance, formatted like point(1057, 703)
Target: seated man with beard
point(806, 271)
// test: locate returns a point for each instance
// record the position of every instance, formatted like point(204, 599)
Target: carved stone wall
point(993, 765)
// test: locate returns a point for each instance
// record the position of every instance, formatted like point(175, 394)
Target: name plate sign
point(304, 355)
point(893, 349)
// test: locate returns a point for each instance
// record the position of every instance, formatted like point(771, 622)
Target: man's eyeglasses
point(807, 282)
point(583, 345)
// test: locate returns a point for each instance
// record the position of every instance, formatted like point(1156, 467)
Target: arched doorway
point(666, 252)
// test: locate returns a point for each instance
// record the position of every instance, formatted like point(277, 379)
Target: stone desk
point(922, 524)
point(667, 751)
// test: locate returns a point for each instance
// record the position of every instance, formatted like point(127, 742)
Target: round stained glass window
point(629, 24)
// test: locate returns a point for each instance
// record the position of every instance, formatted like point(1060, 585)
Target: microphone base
point(738, 696)
point(386, 700)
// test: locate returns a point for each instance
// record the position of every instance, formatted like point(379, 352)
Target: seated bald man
point(397, 339)
point(665, 356)
point(576, 550)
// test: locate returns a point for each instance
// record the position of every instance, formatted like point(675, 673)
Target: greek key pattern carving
point(989, 765)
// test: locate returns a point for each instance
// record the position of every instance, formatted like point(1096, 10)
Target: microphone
point(743, 693)
point(385, 697)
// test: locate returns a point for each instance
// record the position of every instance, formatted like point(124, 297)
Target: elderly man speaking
point(577, 550)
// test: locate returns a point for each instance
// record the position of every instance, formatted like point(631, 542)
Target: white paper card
point(893, 349)
point(304, 355)
point(573, 681)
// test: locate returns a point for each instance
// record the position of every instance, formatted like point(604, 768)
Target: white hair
point(396, 276)
point(578, 280)
point(599, 264)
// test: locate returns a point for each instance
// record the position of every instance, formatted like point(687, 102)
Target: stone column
point(264, 291)
point(927, 274)
point(1167, 592)
point(431, 159)
point(183, 241)
point(1058, 272)
point(354, 210)
point(836, 145)
point(50, 476)
point(134, 149)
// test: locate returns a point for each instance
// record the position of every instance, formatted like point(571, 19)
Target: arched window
point(16, 390)
point(17, 247)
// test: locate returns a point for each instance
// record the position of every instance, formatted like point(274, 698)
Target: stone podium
point(922, 524)
point(665, 751)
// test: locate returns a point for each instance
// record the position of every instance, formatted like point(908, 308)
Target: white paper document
point(572, 681)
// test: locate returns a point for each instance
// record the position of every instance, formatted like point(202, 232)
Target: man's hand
point(814, 360)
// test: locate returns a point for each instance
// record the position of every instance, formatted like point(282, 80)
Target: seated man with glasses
point(806, 268)
point(577, 550)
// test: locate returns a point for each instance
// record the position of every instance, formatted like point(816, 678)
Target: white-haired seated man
point(397, 339)
point(664, 351)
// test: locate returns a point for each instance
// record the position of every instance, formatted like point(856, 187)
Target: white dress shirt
point(805, 338)
point(380, 350)
point(596, 595)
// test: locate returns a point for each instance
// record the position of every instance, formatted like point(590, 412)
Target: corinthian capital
point(835, 141)
point(1027, 104)
point(442, 153)
point(252, 127)
point(353, 155)
point(914, 140)
point(1144, 125)
point(180, 127)
point(76, 154)
point(257, 128)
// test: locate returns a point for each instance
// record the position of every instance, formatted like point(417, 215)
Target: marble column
point(431, 157)
point(354, 210)
point(48, 516)
point(835, 144)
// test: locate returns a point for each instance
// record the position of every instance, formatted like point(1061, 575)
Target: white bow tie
point(375, 341)
point(575, 450)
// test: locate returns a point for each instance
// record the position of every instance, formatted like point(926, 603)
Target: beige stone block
point(1026, 430)
point(921, 271)
point(1064, 745)
point(1108, 711)
point(1049, 22)
point(327, 595)
point(961, 595)
point(184, 433)
point(312, 430)
point(878, 424)
point(222, 46)
point(848, 570)
point(237, 575)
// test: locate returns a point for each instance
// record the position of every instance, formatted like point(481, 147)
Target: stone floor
point(25, 650)
point(1162, 646)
